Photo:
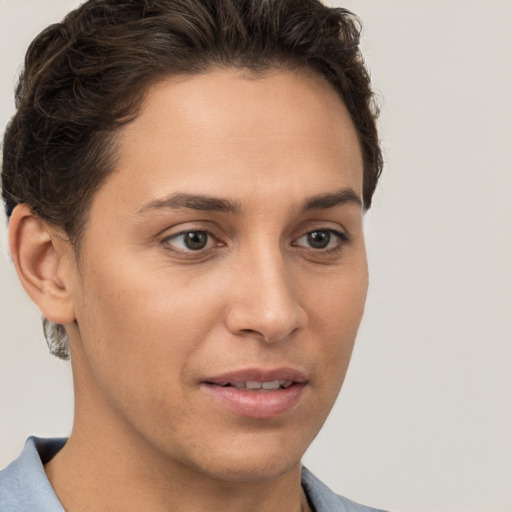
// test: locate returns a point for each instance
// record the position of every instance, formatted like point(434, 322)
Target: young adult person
point(185, 182)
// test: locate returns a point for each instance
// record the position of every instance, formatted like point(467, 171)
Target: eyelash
point(201, 250)
point(342, 239)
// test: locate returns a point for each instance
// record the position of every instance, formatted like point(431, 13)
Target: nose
point(266, 300)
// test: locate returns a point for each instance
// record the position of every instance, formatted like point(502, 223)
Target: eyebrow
point(330, 200)
point(216, 204)
point(193, 202)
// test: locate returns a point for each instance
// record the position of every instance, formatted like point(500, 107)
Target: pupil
point(195, 240)
point(319, 239)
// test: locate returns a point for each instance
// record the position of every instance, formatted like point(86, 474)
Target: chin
point(251, 470)
point(254, 460)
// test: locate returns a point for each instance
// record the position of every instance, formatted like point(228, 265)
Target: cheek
point(336, 311)
point(137, 300)
point(140, 328)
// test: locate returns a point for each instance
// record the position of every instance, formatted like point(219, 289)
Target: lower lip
point(257, 404)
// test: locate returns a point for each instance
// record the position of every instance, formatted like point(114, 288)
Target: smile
point(256, 393)
point(258, 386)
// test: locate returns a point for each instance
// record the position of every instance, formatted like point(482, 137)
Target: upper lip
point(258, 375)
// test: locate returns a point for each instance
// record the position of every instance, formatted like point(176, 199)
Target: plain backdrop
point(424, 421)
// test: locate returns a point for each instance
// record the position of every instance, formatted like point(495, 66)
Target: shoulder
point(23, 484)
point(325, 500)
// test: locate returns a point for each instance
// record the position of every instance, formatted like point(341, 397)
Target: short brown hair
point(86, 76)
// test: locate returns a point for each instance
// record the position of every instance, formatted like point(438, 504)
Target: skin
point(148, 319)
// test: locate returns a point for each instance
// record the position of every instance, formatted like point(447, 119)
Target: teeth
point(271, 385)
point(253, 384)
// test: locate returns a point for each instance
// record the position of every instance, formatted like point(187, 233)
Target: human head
point(86, 77)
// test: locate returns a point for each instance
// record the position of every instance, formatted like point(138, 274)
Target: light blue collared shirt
point(25, 488)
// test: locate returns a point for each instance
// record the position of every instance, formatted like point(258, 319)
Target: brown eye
point(322, 239)
point(319, 239)
point(189, 240)
point(195, 240)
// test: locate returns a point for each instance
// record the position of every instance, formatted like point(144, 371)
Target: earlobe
point(42, 261)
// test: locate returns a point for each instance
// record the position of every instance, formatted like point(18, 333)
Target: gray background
point(424, 422)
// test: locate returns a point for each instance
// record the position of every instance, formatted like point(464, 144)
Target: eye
point(193, 240)
point(322, 239)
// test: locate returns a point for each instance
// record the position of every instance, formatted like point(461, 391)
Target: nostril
point(257, 334)
point(254, 333)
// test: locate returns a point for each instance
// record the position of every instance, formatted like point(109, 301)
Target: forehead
point(230, 133)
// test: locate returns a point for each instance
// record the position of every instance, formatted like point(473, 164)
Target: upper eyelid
point(320, 224)
point(215, 241)
point(343, 236)
point(337, 230)
point(185, 231)
point(172, 231)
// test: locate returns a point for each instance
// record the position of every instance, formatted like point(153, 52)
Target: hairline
point(110, 147)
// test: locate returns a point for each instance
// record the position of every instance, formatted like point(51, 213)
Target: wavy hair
point(85, 77)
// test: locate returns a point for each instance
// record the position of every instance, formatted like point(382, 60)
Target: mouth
point(254, 385)
point(257, 393)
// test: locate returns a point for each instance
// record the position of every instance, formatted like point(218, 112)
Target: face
point(223, 274)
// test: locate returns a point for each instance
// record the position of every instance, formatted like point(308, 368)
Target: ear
point(44, 263)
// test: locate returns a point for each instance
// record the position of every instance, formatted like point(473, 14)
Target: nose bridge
point(267, 302)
